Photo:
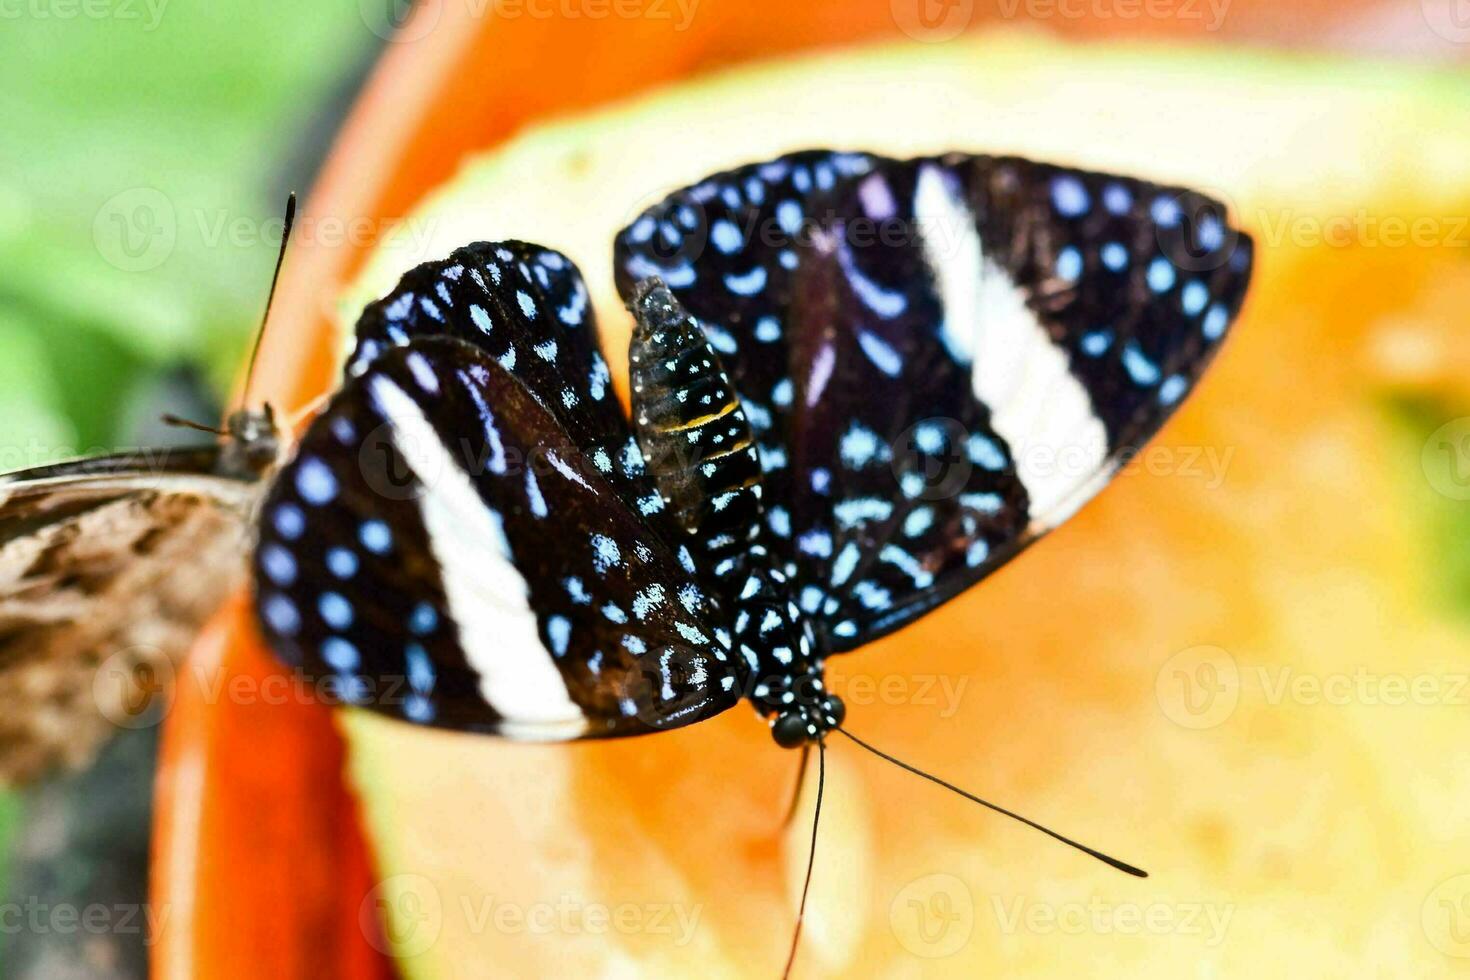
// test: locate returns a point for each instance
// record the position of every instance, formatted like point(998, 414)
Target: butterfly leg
point(806, 751)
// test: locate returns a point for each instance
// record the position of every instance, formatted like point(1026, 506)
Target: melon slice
point(1137, 680)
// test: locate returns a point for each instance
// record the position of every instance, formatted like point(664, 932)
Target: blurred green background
point(145, 156)
point(145, 163)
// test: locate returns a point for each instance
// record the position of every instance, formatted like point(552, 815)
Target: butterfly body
point(698, 444)
point(692, 428)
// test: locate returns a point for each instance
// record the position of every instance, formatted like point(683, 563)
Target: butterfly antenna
point(183, 423)
point(806, 751)
point(811, 857)
point(286, 223)
point(1110, 861)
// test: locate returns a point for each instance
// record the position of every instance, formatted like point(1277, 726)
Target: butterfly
point(858, 386)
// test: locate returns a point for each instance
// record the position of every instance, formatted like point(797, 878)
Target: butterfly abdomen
point(691, 427)
point(700, 451)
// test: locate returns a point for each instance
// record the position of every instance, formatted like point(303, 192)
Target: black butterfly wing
point(527, 308)
point(445, 551)
point(1135, 283)
point(947, 356)
point(857, 404)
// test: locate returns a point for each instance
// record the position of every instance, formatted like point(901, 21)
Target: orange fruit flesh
point(1129, 680)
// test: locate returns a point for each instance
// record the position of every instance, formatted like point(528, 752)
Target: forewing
point(527, 308)
point(948, 357)
point(109, 563)
point(443, 549)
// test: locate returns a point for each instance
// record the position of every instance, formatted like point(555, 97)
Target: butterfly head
point(796, 725)
point(780, 646)
point(253, 442)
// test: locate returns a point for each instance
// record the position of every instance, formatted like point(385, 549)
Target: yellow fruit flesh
point(1276, 532)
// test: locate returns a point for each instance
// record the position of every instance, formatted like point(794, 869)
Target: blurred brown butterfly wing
point(108, 568)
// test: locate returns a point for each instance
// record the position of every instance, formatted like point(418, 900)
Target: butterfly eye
point(789, 730)
point(836, 710)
